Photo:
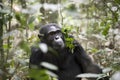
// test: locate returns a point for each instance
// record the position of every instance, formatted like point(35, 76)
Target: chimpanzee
point(70, 63)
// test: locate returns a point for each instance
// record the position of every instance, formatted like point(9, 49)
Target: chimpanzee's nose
point(57, 37)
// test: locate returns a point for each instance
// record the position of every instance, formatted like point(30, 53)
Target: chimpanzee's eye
point(51, 33)
point(59, 33)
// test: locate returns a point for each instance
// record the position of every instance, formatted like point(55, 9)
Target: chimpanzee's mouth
point(59, 45)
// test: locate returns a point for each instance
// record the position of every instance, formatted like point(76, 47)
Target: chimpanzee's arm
point(35, 57)
point(85, 61)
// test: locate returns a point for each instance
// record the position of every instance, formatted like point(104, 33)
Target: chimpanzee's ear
point(40, 35)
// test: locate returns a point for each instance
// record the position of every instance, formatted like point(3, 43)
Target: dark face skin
point(53, 37)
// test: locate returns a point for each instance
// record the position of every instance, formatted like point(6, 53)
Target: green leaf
point(5, 46)
point(94, 50)
point(17, 16)
point(117, 1)
point(49, 66)
point(116, 17)
point(69, 42)
point(31, 19)
point(31, 26)
point(102, 23)
point(38, 74)
point(24, 46)
point(106, 29)
point(3, 11)
point(88, 75)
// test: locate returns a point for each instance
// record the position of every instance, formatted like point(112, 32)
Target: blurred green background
point(94, 23)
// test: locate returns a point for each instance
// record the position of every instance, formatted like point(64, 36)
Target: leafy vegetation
point(94, 23)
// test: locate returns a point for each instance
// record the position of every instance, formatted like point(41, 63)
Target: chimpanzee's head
point(51, 35)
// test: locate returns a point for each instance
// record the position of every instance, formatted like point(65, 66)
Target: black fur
point(69, 64)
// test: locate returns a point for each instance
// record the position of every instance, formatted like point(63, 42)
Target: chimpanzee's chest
point(68, 68)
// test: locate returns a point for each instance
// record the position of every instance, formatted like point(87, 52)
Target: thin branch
point(60, 11)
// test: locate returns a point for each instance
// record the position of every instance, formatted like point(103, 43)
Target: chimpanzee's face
point(53, 37)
